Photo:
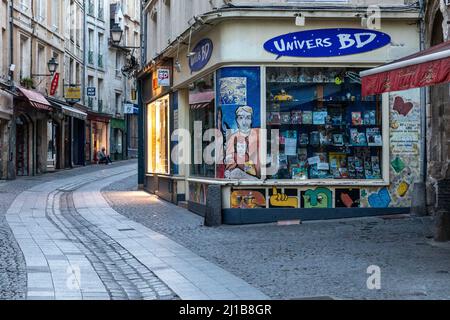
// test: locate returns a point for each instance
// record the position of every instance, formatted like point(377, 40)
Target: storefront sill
point(328, 183)
point(257, 216)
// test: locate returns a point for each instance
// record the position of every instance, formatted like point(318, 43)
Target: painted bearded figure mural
point(242, 148)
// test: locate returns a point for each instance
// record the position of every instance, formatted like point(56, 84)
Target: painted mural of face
point(244, 117)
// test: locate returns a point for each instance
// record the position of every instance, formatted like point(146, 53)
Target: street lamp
point(116, 34)
point(52, 66)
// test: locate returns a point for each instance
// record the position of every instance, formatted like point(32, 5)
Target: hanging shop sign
point(327, 43)
point(163, 77)
point(72, 93)
point(54, 85)
point(201, 55)
point(130, 108)
point(91, 91)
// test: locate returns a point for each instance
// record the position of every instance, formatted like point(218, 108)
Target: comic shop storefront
point(159, 109)
point(295, 138)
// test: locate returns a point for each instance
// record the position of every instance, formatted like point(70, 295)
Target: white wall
point(241, 42)
point(171, 17)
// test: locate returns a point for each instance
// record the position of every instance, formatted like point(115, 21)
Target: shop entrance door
point(22, 154)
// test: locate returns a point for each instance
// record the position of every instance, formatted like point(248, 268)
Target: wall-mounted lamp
point(52, 66)
point(177, 66)
point(300, 20)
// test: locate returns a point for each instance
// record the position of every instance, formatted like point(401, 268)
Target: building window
point(55, 15)
point(326, 129)
point(118, 64)
point(201, 116)
point(158, 136)
point(41, 10)
point(41, 64)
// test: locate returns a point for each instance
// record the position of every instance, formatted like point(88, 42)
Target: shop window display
point(327, 130)
point(201, 101)
point(158, 136)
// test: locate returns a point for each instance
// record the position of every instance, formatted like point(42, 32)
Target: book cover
point(314, 139)
point(376, 169)
point(273, 118)
point(356, 118)
point(296, 117)
point(307, 117)
point(285, 117)
point(300, 172)
point(320, 118)
point(337, 161)
point(303, 154)
point(338, 139)
point(351, 168)
point(325, 138)
point(366, 119)
point(373, 117)
point(304, 139)
point(354, 137)
point(374, 138)
point(362, 139)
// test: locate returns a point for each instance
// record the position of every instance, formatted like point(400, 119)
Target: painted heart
point(381, 199)
point(402, 107)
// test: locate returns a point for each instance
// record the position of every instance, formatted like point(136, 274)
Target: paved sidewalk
point(77, 247)
point(315, 259)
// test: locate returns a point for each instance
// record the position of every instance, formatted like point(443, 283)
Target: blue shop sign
point(327, 42)
point(201, 55)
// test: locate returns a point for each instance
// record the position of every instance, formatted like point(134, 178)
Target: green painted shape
point(398, 165)
point(320, 198)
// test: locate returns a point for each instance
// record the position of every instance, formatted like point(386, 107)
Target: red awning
point(36, 99)
point(425, 68)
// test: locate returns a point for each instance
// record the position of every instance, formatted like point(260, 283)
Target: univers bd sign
point(327, 42)
point(201, 55)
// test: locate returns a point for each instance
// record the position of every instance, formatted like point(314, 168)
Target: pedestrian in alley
point(103, 158)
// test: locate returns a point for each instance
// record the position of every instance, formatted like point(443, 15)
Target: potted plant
point(27, 83)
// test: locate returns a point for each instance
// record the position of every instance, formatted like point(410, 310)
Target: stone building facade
point(438, 104)
point(437, 27)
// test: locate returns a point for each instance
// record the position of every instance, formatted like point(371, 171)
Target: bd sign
point(327, 43)
point(201, 55)
point(163, 77)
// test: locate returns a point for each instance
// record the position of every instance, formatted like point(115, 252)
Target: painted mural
point(198, 192)
point(284, 199)
point(239, 121)
point(320, 198)
point(347, 198)
point(248, 199)
point(405, 114)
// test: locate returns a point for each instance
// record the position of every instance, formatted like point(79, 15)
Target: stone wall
point(438, 107)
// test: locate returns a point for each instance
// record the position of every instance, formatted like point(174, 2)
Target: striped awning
point(198, 106)
point(36, 99)
point(422, 69)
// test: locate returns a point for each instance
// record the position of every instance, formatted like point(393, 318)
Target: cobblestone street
point(89, 234)
point(313, 260)
point(75, 246)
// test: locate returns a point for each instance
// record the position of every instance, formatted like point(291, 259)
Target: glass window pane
point(327, 130)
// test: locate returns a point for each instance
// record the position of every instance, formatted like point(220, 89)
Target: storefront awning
point(69, 110)
point(6, 104)
point(425, 68)
point(36, 99)
point(199, 106)
point(201, 100)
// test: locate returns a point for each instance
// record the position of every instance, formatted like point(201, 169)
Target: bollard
point(418, 205)
point(213, 216)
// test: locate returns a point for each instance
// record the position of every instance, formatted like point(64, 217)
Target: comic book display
point(327, 130)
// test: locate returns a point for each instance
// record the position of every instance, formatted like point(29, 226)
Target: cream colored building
point(223, 55)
